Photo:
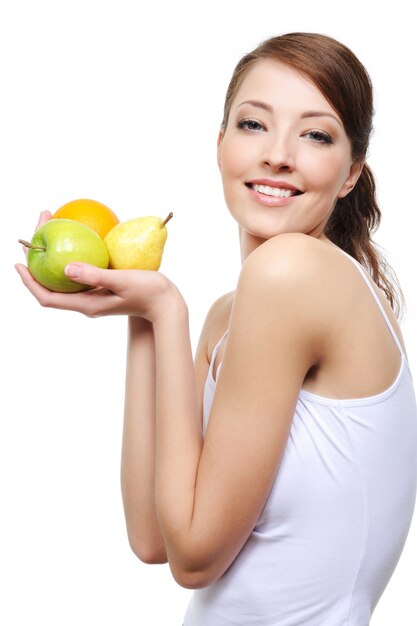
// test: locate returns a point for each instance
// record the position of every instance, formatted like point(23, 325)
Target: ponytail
point(354, 219)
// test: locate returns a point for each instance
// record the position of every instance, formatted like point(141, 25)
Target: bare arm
point(138, 445)
point(209, 494)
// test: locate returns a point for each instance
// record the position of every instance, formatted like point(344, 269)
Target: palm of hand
point(114, 292)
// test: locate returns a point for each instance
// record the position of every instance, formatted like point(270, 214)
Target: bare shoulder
point(293, 265)
point(287, 256)
point(307, 266)
point(312, 278)
point(324, 288)
point(291, 253)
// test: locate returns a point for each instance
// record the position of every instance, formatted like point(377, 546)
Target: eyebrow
point(306, 114)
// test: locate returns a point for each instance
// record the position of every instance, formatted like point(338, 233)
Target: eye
point(318, 136)
point(251, 125)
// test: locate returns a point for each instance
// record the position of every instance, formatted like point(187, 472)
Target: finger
point(41, 293)
point(91, 275)
point(93, 303)
point(44, 296)
point(109, 278)
point(76, 274)
point(116, 281)
point(43, 217)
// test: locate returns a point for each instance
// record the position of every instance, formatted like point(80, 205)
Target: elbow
point(151, 557)
point(194, 578)
point(195, 565)
point(148, 552)
point(191, 580)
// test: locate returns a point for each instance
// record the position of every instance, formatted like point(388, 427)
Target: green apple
point(59, 242)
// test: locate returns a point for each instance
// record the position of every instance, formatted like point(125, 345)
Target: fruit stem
point(166, 220)
point(29, 245)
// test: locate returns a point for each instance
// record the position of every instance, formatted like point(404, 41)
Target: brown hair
point(345, 83)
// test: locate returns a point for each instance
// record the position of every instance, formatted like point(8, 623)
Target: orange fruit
point(90, 212)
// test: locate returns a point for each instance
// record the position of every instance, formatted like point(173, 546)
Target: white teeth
point(274, 191)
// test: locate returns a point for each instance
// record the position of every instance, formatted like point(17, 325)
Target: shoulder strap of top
point(215, 351)
point(372, 290)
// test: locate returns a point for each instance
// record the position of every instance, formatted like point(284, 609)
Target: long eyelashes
point(317, 136)
point(250, 125)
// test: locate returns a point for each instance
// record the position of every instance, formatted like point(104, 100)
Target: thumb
point(88, 274)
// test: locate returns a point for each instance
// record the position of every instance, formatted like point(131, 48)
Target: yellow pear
point(137, 244)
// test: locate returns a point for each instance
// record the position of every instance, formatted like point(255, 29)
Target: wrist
point(170, 304)
point(139, 325)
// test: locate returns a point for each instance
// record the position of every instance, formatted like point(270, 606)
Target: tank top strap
point(215, 351)
point(372, 290)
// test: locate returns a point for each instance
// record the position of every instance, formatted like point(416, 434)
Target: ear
point(219, 143)
point(354, 173)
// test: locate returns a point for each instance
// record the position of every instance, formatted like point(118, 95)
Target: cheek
point(325, 172)
point(235, 158)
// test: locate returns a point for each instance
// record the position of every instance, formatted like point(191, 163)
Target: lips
point(272, 194)
point(276, 189)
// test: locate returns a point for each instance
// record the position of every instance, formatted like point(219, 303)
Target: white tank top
point(335, 522)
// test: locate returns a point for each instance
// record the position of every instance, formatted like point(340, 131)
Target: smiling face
point(284, 156)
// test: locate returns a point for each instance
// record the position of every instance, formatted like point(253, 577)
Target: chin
point(266, 223)
point(266, 231)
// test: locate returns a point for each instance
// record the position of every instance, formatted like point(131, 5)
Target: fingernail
point(72, 271)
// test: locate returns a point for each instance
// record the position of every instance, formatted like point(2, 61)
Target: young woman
point(277, 473)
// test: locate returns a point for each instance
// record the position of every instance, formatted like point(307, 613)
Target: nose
point(278, 153)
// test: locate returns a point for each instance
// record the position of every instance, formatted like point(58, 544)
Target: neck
point(248, 243)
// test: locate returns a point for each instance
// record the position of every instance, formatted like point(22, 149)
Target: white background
point(121, 102)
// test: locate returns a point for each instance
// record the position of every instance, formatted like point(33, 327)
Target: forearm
point(178, 429)
point(138, 445)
